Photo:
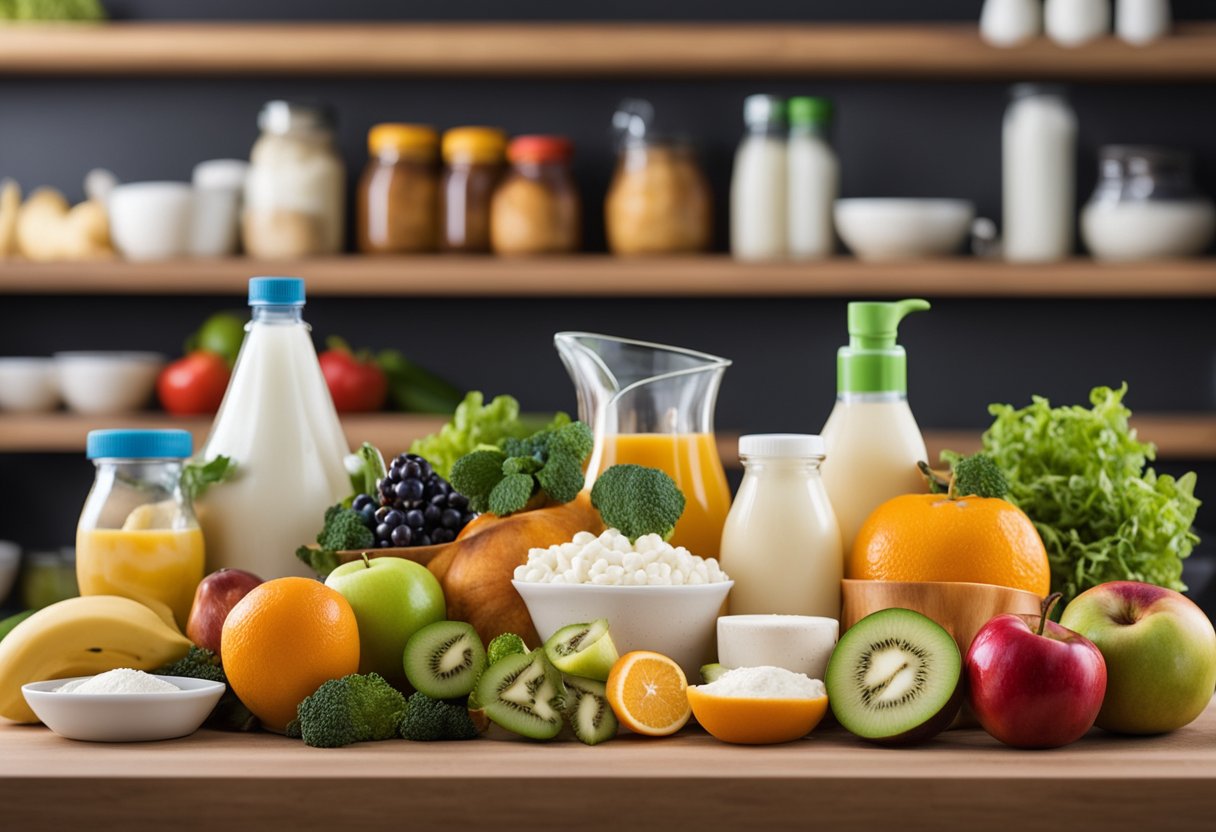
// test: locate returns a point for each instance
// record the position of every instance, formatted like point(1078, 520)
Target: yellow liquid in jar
point(164, 565)
point(691, 459)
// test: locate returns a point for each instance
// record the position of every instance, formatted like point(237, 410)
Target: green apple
point(392, 598)
point(1160, 652)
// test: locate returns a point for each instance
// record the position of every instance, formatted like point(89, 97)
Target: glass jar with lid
point(473, 162)
point(1146, 206)
point(536, 209)
point(398, 198)
point(295, 193)
point(138, 536)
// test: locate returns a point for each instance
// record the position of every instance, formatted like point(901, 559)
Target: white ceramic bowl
point(102, 383)
point(903, 229)
point(151, 220)
point(10, 564)
point(677, 621)
point(124, 717)
point(28, 385)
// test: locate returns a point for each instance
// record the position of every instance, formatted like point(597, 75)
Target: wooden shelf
point(951, 50)
point(962, 780)
point(598, 275)
point(1177, 436)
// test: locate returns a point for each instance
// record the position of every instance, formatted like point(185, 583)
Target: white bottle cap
point(788, 445)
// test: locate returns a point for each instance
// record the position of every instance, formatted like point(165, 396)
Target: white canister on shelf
point(1076, 22)
point(814, 176)
point(1038, 147)
point(758, 212)
point(1142, 21)
point(218, 187)
point(1011, 22)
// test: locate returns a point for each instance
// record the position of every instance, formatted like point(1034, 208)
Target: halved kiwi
point(591, 717)
point(583, 650)
point(895, 677)
point(524, 694)
point(444, 659)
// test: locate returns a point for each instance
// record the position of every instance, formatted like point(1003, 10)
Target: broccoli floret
point(230, 713)
point(978, 476)
point(428, 720)
point(549, 462)
point(636, 501)
point(507, 644)
point(344, 529)
point(352, 709)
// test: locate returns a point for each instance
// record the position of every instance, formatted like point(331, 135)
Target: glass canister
point(536, 209)
point(1146, 206)
point(473, 163)
point(137, 536)
point(781, 543)
point(398, 197)
point(295, 194)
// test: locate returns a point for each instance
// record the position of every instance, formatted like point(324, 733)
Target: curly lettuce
point(1081, 475)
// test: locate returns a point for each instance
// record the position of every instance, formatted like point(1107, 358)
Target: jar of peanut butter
point(398, 198)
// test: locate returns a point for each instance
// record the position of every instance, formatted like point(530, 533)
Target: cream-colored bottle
point(872, 440)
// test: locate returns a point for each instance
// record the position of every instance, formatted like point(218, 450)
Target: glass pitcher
point(653, 405)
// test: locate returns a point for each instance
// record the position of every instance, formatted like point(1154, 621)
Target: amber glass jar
point(398, 198)
point(659, 201)
point(473, 164)
point(536, 209)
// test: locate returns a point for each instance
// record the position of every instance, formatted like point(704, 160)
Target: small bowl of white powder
point(123, 705)
point(759, 705)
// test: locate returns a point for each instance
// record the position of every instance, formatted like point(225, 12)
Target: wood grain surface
point(829, 781)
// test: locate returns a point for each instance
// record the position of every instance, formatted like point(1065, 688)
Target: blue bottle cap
point(139, 444)
point(276, 291)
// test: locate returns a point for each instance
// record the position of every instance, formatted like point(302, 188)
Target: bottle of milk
point(758, 184)
point(278, 423)
point(814, 177)
point(872, 441)
point(1039, 146)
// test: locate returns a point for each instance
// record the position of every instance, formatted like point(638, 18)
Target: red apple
point(216, 595)
point(1033, 683)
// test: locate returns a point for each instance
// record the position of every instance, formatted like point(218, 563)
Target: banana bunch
point(82, 637)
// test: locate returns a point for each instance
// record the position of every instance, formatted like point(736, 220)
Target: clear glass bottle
point(278, 424)
point(138, 536)
point(295, 194)
point(781, 543)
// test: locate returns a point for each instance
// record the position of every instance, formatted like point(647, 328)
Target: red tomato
point(194, 384)
point(357, 385)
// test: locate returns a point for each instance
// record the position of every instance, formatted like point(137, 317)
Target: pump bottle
point(872, 440)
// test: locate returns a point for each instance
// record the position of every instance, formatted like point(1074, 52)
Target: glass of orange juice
point(138, 536)
point(653, 405)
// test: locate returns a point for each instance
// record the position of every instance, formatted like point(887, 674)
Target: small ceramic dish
point(755, 721)
point(677, 621)
point(28, 385)
point(903, 229)
point(107, 383)
point(124, 717)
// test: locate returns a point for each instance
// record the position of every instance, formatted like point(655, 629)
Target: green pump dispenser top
point(873, 362)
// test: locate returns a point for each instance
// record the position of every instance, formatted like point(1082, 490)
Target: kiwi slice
point(587, 709)
point(711, 672)
point(444, 659)
point(895, 677)
point(584, 650)
point(524, 694)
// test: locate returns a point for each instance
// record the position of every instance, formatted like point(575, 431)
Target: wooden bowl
point(961, 608)
point(418, 554)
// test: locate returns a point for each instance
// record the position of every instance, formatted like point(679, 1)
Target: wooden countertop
point(829, 781)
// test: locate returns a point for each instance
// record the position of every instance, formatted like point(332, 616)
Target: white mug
point(151, 220)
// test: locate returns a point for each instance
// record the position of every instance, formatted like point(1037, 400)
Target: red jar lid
point(540, 149)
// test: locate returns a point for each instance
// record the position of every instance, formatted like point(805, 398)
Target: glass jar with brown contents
point(659, 201)
point(398, 199)
point(473, 161)
point(536, 208)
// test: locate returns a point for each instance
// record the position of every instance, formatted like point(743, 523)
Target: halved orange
point(756, 721)
point(648, 693)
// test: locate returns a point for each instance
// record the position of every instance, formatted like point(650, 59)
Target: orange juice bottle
point(137, 535)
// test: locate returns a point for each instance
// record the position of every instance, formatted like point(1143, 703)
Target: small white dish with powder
point(123, 705)
point(764, 683)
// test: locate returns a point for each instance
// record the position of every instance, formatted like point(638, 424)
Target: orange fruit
point(756, 721)
point(648, 693)
point(284, 640)
point(929, 537)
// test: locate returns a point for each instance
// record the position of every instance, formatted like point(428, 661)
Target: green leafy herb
point(197, 477)
point(1082, 477)
point(637, 501)
point(548, 463)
